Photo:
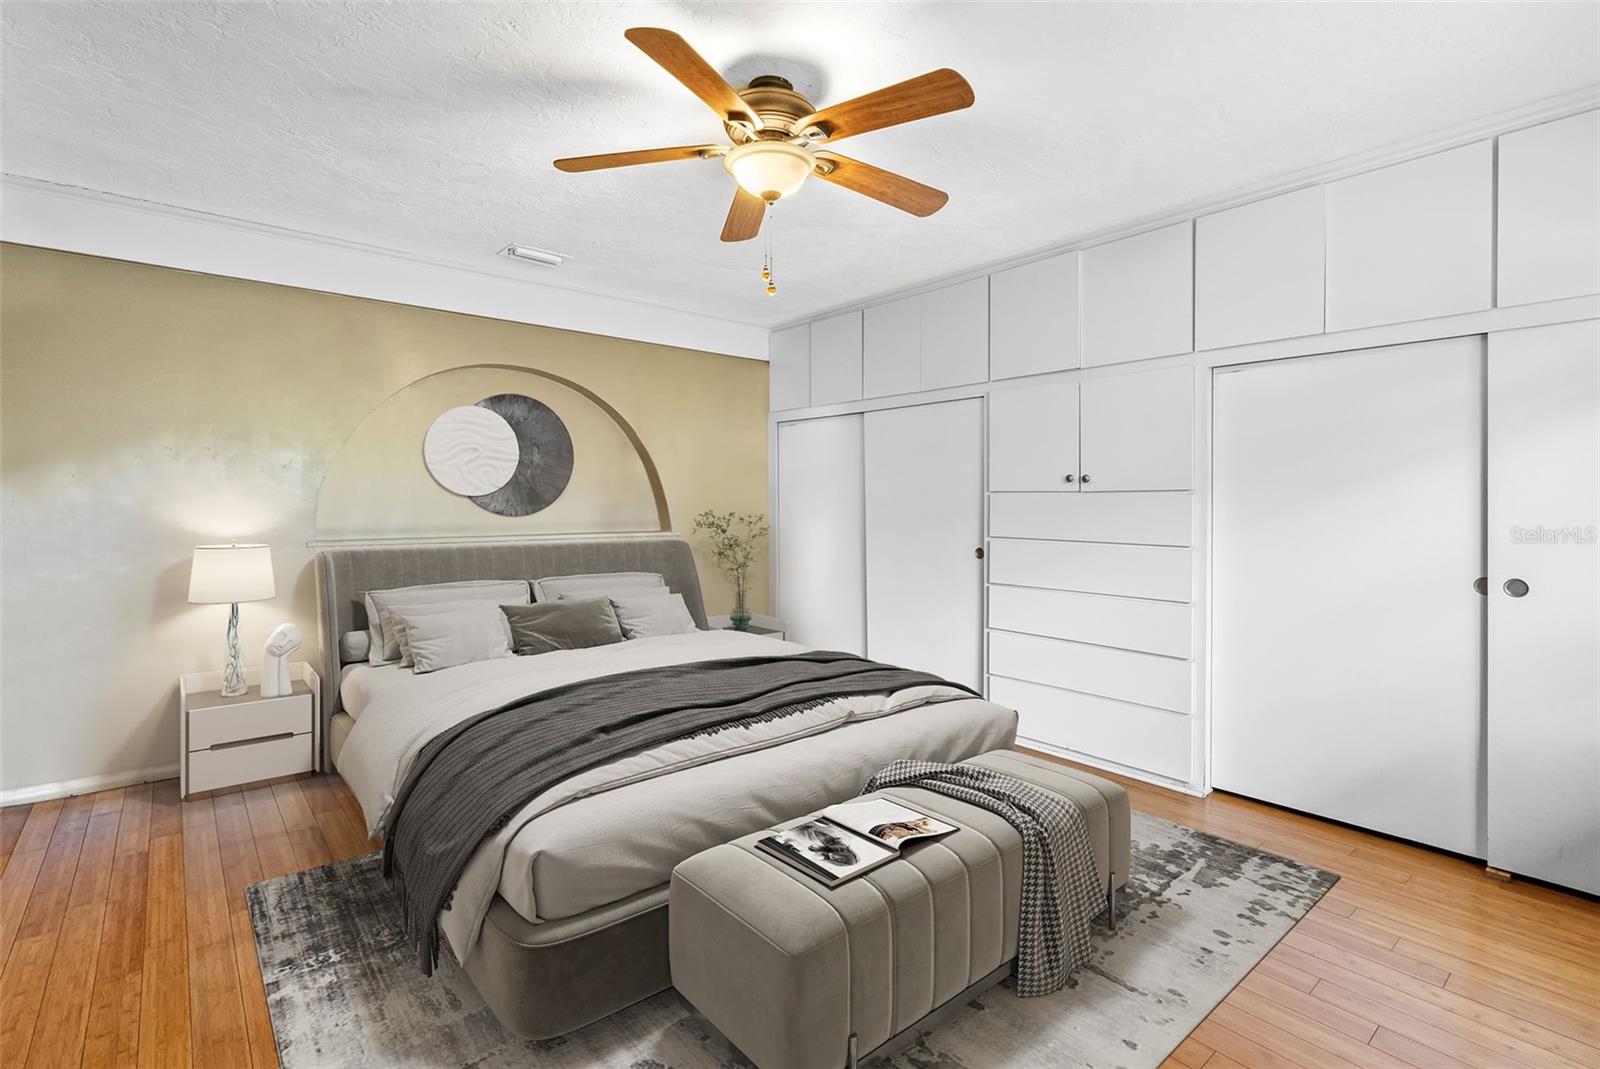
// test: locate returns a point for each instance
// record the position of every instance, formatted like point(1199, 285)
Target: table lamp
point(227, 575)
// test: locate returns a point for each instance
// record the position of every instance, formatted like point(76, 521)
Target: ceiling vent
point(529, 254)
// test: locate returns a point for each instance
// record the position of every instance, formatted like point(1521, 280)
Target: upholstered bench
point(798, 976)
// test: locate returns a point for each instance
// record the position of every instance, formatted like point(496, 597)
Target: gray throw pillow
point(568, 624)
point(653, 615)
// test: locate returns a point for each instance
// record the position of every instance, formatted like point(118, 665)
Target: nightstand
point(229, 741)
point(760, 624)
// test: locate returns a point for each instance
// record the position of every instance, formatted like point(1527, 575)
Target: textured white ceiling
point(430, 127)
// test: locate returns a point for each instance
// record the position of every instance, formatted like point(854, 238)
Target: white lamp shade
point(221, 575)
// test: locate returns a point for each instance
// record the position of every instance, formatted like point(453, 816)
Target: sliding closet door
point(924, 468)
point(1544, 603)
point(821, 562)
point(1348, 520)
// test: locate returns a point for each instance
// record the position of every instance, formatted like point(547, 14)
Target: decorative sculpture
point(275, 678)
point(508, 454)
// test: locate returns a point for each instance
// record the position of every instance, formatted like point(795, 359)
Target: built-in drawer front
point(1141, 678)
point(249, 720)
point(1160, 572)
point(1160, 627)
point(1132, 518)
point(1152, 740)
point(225, 766)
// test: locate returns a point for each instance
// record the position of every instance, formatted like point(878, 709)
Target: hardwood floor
point(125, 940)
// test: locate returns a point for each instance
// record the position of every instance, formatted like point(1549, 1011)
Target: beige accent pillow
point(597, 584)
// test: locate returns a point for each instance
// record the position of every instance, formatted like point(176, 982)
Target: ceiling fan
point(775, 132)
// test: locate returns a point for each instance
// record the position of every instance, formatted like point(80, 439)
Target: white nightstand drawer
point(224, 767)
point(243, 721)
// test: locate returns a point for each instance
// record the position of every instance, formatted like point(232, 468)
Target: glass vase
point(740, 617)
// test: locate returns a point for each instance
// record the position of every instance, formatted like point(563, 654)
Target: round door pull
point(1516, 588)
point(1069, 478)
point(1481, 584)
point(1084, 479)
point(978, 553)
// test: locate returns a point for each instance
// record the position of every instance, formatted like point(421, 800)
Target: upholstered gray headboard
point(345, 575)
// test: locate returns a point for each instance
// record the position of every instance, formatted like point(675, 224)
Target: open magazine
point(847, 840)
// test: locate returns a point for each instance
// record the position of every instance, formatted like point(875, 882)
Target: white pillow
point(595, 585)
point(353, 646)
point(652, 615)
point(385, 649)
point(396, 622)
point(447, 639)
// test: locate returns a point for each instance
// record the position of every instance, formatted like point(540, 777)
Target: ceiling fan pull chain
point(769, 272)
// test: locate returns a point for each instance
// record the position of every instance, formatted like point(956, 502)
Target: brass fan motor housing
point(778, 103)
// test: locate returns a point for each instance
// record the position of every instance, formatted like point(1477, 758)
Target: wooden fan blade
point(687, 65)
point(929, 94)
point(744, 217)
point(644, 155)
point(895, 190)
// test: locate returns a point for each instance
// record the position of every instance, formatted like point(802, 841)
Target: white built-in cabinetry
point(927, 341)
point(820, 556)
point(1258, 271)
point(1412, 241)
point(836, 359)
point(1138, 297)
point(1550, 211)
point(1098, 487)
point(789, 364)
point(924, 530)
point(1033, 318)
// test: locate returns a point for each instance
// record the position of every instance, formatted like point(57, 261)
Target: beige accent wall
point(144, 410)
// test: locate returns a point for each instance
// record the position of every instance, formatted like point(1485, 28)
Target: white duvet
point(620, 828)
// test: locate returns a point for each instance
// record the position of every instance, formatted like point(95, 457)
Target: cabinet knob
point(1085, 479)
point(978, 553)
point(1481, 584)
point(1517, 588)
point(1069, 478)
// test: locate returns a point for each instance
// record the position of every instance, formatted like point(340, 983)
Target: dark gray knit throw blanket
point(473, 777)
point(1060, 886)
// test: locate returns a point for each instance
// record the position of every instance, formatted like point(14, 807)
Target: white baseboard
point(44, 792)
point(1111, 766)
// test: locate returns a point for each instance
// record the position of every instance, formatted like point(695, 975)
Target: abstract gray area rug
point(1197, 915)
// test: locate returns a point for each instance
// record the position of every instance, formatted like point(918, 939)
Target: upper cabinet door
point(1550, 211)
point(1033, 318)
point(891, 348)
point(789, 354)
point(1137, 431)
point(1033, 437)
point(836, 359)
point(955, 334)
point(1138, 297)
point(1258, 271)
point(1413, 241)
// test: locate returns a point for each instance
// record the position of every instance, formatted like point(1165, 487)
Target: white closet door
point(1544, 645)
point(924, 492)
point(1348, 530)
point(821, 557)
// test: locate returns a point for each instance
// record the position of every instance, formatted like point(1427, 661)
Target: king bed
point(559, 917)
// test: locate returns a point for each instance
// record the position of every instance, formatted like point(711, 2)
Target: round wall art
point(509, 454)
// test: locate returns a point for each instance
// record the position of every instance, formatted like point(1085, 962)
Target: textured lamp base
point(233, 684)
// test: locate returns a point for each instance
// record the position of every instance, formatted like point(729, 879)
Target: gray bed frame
point(541, 980)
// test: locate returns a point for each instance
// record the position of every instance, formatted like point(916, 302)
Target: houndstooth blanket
point(1060, 888)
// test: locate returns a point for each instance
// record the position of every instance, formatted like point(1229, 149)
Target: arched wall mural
point(379, 488)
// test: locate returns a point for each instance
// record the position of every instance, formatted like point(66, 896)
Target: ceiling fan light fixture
point(770, 170)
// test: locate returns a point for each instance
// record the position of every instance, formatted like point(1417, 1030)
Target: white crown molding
point(44, 792)
point(72, 219)
point(1504, 122)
